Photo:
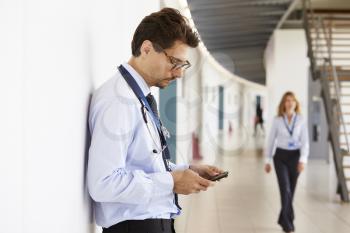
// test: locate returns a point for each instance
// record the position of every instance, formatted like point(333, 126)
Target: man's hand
point(187, 182)
point(206, 171)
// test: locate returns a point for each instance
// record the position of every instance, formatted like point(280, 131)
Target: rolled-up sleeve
point(108, 179)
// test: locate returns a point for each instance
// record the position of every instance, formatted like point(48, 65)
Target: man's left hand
point(206, 171)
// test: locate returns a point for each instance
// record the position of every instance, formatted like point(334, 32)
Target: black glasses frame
point(176, 62)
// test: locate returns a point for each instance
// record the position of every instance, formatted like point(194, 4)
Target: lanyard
point(141, 97)
point(139, 94)
point(290, 131)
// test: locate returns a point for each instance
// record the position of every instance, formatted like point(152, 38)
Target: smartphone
point(220, 176)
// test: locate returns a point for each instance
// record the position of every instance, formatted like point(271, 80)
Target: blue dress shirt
point(125, 178)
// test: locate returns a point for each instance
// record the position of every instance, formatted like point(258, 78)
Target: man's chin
point(164, 84)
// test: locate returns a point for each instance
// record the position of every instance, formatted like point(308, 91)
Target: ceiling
point(236, 32)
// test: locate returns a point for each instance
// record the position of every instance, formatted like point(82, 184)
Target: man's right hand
point(188, 181)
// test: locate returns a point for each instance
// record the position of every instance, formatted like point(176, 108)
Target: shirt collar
point(138, 78)
point(286, 118)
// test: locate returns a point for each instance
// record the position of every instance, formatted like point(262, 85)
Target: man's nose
point(178, 73)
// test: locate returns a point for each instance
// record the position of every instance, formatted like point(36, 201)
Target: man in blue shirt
point(130, 179)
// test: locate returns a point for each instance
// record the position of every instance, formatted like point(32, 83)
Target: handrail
point(322, 67)
point(336, 82)
point(308, 38)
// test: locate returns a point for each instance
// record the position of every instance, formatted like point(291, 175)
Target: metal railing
point(334, 75)
point(323, 69)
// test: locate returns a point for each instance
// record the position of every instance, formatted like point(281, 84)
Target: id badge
point(291, 144)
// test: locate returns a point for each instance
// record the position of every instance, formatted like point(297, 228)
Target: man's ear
point(146, 47)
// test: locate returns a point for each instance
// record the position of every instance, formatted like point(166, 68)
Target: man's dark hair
point(164, 28)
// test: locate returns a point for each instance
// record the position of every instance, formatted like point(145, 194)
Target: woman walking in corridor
point(289, 135)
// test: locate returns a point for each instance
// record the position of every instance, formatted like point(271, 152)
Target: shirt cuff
point(182, 166)
point(268, 160)
point(303, 159)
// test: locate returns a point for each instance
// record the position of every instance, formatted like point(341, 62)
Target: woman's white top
point(286, 135)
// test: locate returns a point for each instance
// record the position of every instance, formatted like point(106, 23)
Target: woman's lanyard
point(141, 97)
point(290, 130)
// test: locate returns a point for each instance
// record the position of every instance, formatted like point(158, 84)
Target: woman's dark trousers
point(286, 163)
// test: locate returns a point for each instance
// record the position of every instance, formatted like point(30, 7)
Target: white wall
point(287, 67)
point(54, 53)
point(11, 125)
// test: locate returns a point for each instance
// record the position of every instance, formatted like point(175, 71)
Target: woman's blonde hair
point(281, 108)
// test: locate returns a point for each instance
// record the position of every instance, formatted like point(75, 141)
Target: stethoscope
point(156, 139)
point(163, 133)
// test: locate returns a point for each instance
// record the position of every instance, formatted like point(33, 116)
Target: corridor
point(83, 148)
point(248, 200)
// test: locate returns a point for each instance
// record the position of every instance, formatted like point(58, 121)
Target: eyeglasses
point(176, 62)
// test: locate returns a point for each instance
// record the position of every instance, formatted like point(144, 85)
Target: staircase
point(328, 38)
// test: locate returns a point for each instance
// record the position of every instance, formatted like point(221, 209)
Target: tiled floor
point(248, 200)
